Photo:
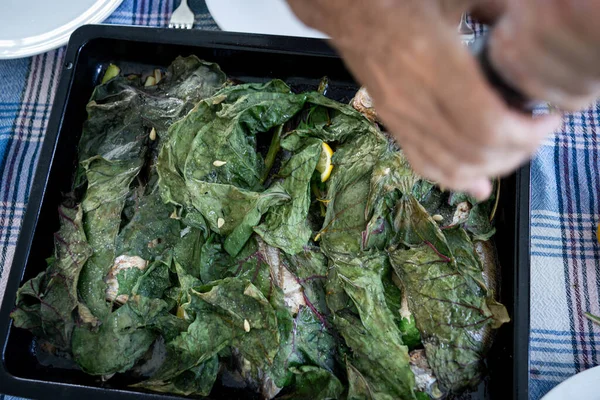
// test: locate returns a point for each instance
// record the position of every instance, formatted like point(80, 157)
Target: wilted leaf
point(46, 304)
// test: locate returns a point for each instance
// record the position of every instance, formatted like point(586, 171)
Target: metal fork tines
point(466, 32)
point(183, 17)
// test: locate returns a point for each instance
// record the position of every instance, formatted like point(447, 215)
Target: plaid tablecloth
point(565, 256)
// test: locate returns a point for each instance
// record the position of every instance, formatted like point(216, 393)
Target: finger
point(520, 132)
point(539, 71)
point(436, 162)
point(481, 116)
point(433, 127)
point(478, 187)
point(416, 101)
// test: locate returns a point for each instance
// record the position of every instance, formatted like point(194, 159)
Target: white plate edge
point(98, 14)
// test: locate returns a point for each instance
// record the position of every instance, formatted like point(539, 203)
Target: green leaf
point(313, 383)
point(155, 280)
point(286, 226)
point(197, 380)
point(310, 268)
point(112, 148)
point(108, 186)
point(332, 121)
point(256, 207)
point(348, 193)
point(422, 396)
point(372, 334)
point(46, 304)
point(151, 231)
point(230, 137)
point(215, 263)
point(460, 197)
point(221, 310)
point(358, 386)
point(188, 251)
point(122, 338)
point(415, 226)
point(439, 289)
point(478, 222)
point(210, 161)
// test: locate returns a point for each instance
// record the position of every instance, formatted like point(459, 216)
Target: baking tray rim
point(10, 384)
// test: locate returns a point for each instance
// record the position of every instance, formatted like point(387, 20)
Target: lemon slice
point(324, 166)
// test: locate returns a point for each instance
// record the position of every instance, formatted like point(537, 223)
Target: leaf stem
point(496, 200)
point(592, 318)
point(272, 153)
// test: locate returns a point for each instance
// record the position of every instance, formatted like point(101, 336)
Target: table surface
point(565, 256)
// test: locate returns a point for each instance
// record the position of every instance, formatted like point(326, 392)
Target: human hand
point(549, 49)
point(428, 89)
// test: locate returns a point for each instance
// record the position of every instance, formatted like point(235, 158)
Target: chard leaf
point(46, 303)
point(221, 310)
point(313, 383)
point(214, 261)
point(155, 280)
point(122, 338)
point(151, 230)
point(108, 186)
point(348, 193)
point(441, 289)
point(332, 121)
point(478, 222)
point(415, 226)
point(391, 179)
point(460, 197)
point(188, 251)
point(210, 161)
point(286, 226)
point(112, 148)
point(372, 334)
point(197, 380)
point(358, 386)
point(257, 206)
point(310, 268)
point(230, 137)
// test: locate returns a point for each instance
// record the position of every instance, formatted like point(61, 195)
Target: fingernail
point(481, 189)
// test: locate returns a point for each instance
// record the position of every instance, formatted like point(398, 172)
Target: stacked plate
point(29, 27)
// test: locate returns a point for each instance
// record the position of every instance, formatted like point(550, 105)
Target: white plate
point(29, 27)
point(584, 385)
point(272, 17)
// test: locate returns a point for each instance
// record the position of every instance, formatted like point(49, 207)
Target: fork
point(183, 17)
point(466, 32)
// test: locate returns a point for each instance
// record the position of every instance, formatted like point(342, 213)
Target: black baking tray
point(301, 62)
